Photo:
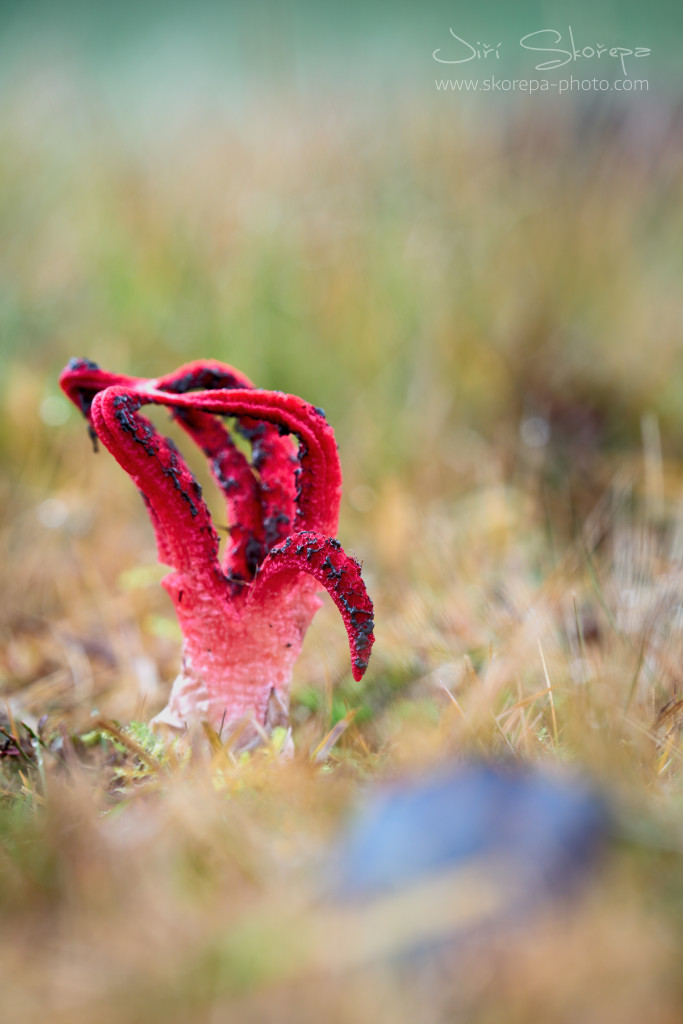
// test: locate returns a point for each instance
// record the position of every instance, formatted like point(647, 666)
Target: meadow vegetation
point(488, 309)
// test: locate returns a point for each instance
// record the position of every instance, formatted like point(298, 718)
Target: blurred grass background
point(484, 295)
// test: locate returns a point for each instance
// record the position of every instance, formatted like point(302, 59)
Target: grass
point(491, 320)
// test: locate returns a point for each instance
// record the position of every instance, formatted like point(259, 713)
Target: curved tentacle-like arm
point(319, 483)
point(326, 560)
point(202, 375)
point(274, 456)
point(274, 460)
point(185, 535)
point(231, 471)
point(81, 380)
point(265, 504)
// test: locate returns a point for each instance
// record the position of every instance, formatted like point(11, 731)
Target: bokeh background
point(483, 292)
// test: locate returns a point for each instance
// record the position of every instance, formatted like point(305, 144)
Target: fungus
point(244, 617)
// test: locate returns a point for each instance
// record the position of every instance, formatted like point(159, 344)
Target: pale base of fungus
point(179, 719)
point(237, 668)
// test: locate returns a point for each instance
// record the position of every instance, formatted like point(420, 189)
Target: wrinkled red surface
point(243, 622)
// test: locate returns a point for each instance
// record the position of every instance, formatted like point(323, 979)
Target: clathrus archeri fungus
point(243, 620)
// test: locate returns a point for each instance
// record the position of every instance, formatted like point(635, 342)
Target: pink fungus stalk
point(243, 619)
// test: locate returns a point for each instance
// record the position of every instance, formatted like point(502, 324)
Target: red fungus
point(243, 621)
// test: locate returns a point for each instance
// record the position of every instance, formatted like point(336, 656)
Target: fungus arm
point(185, 535)
point(319, 472)
point(273, 456)
point(325, 560)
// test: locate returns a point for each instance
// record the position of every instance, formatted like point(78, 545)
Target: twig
point(550, 692)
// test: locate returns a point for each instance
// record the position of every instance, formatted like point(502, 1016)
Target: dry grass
point(435, 290)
